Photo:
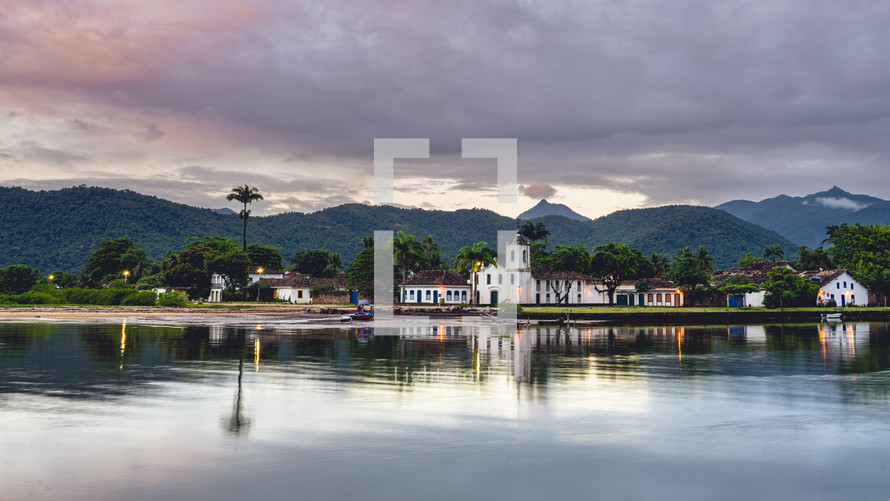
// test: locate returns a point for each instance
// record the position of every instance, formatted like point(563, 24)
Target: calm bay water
point(102, 411)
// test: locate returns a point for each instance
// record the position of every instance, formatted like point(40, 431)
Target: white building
point(515, 281)
point(254, 273)
point(292, 289)
point(838, 285)
point(436, 287)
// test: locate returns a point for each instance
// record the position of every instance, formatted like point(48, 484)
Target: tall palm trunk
point(245, 214)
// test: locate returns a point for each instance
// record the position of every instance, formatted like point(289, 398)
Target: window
point(500, 278)
point(524, 256)
point(428, 294)
point(579, 284)
point(512, 256)
point(488, 279)
point(845, 284)
point(649, 298)
point(838, 285)
point(463, 295)
point(667, 298)
point(579, 298)
point(538, 285)
point(448, 295)
point(547, 297)
point(412, 294)
point(658, 297)
point(299, 294)
point(512, 279)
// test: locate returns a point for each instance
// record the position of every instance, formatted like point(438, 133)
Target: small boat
point(364, 311)
point(831, 317)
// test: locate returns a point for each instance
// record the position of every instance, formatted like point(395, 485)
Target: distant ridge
point(57, 230)
point(224, 211)
point(545, 208)
point(803, 219)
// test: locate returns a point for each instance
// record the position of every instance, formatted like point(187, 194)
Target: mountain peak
point(545, 208)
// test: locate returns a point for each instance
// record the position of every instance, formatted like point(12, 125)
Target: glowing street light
point(126, 275)
point(259, 272)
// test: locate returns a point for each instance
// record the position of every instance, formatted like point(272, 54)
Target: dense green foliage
point(813, 259)
point(864, 251)
point(264, 256)
point(787, 289)
point(114, 259)
point(194, 266)
point(57, 230)
point(18, 279)
point(360, 273)
point(689, 271)
point(613, 263)
point(319, 263)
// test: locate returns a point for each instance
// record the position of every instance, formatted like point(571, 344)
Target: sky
point(614, 104)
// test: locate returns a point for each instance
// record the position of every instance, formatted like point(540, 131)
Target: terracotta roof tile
point(436, 277)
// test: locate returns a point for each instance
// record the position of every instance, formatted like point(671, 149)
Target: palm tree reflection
point(237, 424)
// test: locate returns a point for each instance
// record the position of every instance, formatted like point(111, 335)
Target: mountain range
point(803, 219)
point(57, 230)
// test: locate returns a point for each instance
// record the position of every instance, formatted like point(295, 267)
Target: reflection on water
point(91, 411)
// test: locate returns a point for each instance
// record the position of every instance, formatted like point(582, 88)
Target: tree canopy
point(787, 289)
point(864, 251)
point(613, 263)
point(111, 259)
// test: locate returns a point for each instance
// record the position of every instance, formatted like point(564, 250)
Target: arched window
point(649, 299)
point(667, 298)
point(428, 294)
point(658, 297)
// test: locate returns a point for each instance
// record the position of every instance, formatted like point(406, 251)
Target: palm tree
point(433, 253)
point(244, 194)
point(706, 262)
point(334, 264)
point(366, 242)
point(661, 264)
point(773, 252)
point(534, 231)
point(407, 253)
point(472, 258)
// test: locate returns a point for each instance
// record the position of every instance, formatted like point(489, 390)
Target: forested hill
point(57, 230)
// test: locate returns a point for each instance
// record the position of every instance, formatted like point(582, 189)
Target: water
point(99, 411)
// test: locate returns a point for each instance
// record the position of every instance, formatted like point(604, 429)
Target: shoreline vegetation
point(594, 314)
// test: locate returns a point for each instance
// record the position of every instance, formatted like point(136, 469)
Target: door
point(538, 298)
point(843, 300)
point(494, 297)
point(419, 296)
point(435, 297)
point(630, 299)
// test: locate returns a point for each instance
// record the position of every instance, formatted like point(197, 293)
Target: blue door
point(353, 297)
point(435, 297)
point(843, 300)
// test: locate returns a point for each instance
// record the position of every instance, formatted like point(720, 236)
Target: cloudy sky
point(615, 104)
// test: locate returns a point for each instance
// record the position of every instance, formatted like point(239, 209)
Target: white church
point(515, 282)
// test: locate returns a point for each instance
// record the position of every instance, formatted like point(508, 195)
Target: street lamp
point(126, 275)
point(259, 272)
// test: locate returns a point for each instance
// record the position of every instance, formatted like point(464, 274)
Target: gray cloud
point(698, 101)
point(538, 191)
